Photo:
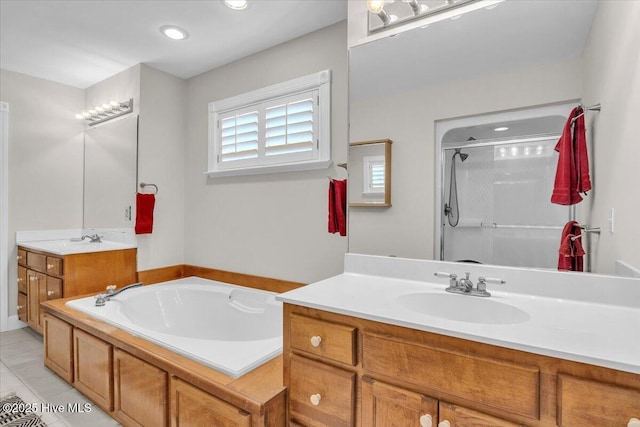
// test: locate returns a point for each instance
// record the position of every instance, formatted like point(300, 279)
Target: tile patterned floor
point(22, 371)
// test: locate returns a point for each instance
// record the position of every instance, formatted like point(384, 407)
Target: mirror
point(110, 173)
point(517, 56)
point(370, 173)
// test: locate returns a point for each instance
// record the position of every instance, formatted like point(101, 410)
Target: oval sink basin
point(463, 308)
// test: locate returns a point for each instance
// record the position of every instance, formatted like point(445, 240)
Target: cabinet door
point(140, 391)
point(54, 288)
point(191, 406)
point(36, 292)
point(458, 416)
point(22, 279)
point(384, 405)
point(54, 266)
point(58, 346)
point(22, 307)
point(320, 395)
point(93, 368)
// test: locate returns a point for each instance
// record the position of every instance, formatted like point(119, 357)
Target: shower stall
point(495, 194)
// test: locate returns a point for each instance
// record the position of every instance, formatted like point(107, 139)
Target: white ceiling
point(80, 42)
point(515, 34)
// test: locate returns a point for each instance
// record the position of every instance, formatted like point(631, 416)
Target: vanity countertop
point(593, 327)
point(69, 247)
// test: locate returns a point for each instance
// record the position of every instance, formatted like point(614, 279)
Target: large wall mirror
point(514, 57)
point(110, 174)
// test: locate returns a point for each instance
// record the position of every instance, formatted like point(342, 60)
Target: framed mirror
point(370, 173)
point(110, 174)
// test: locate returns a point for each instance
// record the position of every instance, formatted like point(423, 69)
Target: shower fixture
point(451, 209)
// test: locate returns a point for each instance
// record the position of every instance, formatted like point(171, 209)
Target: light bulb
point(86, 114)
point(93, 112)
point(114, 103)
point(375, 6)
point(98, 108)
point(79, 116)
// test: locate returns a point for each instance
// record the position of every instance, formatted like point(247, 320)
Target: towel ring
point(144, 184)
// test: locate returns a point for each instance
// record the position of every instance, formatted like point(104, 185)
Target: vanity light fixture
point(236, 4)
point(106, 111)
point(377, 7)
point(174, 32)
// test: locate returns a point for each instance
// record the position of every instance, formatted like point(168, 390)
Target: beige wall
point(45, 158)
point(407, 228)
point(611, 69)
point(161, 161)
point(272, 225)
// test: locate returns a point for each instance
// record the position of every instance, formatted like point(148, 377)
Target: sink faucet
point(93, 238)
point(102, 298)
point(465, 285)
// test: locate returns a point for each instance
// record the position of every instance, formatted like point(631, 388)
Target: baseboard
point(178, 271)
point(14, 323)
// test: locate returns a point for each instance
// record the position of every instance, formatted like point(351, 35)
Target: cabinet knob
point(315, 399)
point(20, 279)
point(49, 266)
point(316, 340)
point(633, 422)
point(444, 423)
point(19, 257)
point(49, 293)
point(426, 421)
point(20, 307)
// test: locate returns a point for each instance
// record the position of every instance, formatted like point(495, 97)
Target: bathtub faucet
point(102, 298)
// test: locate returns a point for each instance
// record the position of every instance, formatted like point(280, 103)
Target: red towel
point(338, 206)
point(144, 213)
point(571, 252)
point(572, 172)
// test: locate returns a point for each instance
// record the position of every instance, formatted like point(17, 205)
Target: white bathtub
point(230, 328)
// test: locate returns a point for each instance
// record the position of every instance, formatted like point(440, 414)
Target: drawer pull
point(20, 307)
point(20, 279)
point(19, 257)
point(444, 423)
point(49, 266)
point(315, 399)
point(633, 422)
point(426, 421)
point(316, 340)
point(49, 293)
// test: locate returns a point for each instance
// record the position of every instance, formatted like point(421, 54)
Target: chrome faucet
point(92, 238)
point(465, 285)
point(102, 298)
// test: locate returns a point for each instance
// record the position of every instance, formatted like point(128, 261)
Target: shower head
point(462, 155)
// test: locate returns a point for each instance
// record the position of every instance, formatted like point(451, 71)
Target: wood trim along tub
point(178, 271)
point(259, 392)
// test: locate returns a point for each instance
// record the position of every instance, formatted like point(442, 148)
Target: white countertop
point(591, 328)
point(68, 247)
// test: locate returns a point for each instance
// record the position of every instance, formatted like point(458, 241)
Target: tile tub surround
point(22, 372)
point(580, 317)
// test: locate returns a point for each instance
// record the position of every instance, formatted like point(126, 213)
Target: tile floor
point(22, 371)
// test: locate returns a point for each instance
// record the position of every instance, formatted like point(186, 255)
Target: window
point(283, 127)
point(373, 179)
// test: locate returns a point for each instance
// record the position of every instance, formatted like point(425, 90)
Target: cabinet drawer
point(54, 266)
point(329, 340)
point(54, 288)
point(501, 385)
point(321, 395)
point(584, 402)
point(22, 257)
point(37, 261)
point(22, 279)
point(458, 416)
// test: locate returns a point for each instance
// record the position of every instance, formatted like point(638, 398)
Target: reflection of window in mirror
point(370, 173)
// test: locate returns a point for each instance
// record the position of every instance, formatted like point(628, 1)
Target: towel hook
point(144, 184)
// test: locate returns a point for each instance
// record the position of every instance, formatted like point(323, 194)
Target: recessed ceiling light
point(501, 129)
point(236, 4)
point(173, 32)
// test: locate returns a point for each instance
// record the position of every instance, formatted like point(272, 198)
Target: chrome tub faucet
point(102, 298)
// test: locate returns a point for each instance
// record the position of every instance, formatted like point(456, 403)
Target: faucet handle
point(492, 280)
point(447, 275)
point(111, 289)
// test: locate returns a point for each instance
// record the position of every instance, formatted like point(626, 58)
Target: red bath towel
point(572, 172)
point(571, 252)
point(144, 213)
point(338, 206)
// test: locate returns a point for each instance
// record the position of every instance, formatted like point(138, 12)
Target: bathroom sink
point(463, 308)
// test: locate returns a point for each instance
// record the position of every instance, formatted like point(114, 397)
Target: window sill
point(257, 170)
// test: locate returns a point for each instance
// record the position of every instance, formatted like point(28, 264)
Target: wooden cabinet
point(43, 276)
point(386, 405)
point(93, 368)
point(58, 347)
point(391, 376)
point(140, 391)
point(191, 406)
